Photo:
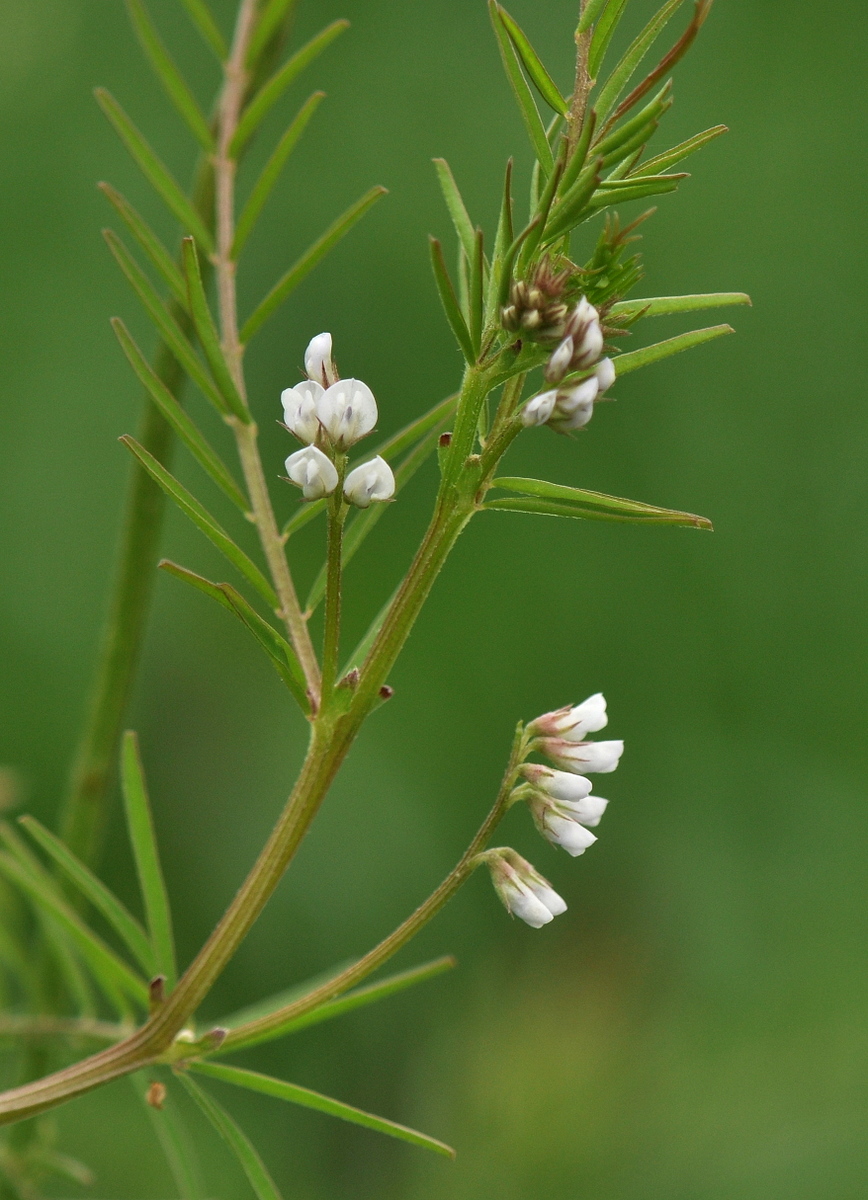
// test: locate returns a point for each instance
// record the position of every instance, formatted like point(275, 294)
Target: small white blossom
point(560, 361)
point(539, 409)
point(573, 723)
point(563, 808)
point(574, 406)
point(300, 409)
point(559, 785)
point(347, 411)
point(584, 758)
point(561, 827)
point(370, 481)
point(524, 892)
point(318, 360)
point(584, 327)
point(313, 471)
point(605, 372)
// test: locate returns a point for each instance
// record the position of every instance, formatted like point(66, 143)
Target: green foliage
point(209, 338)
point(556, 500)
point(634, 359)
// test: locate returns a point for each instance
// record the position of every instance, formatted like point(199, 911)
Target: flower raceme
point(325, 406)
point(563, 809)
point(565, 409)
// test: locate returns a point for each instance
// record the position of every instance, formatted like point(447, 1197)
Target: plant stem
point(405, 932)
point(581, 90)
point(332, 635)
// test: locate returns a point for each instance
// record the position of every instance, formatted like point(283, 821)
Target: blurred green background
point(695, 1027)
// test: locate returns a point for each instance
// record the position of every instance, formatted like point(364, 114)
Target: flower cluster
point(560, 801)
point(570, 406)
point(330, 415)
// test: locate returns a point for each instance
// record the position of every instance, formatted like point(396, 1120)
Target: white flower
point(300, 409)
point(559, 363)
point(584, 758)
point(584, 327)
point(560, 827)
point(314, 473)
point(347, 411)
point(563, 808)
point(573, 723)
point(575, 406)
point(605, 372)
point(318, 360)
point(559, 785)
point(539, 409)
point(524, 892)
point(370, 481)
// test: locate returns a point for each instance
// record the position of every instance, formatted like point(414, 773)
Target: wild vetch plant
point(537, 310)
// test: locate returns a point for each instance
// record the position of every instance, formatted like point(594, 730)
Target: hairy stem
point(581, 90)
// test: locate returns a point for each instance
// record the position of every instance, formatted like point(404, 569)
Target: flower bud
point(559, 785)
point(313, 472)
point(347, 412)
point(300, 410)
point(583, 758)
point(370, 481)
point(524, 892)
point(574, 406)
point(584, 327)
point(539, 409)
point(573, 723)
point(318, 360)
point(605, 373)
point(559, 363)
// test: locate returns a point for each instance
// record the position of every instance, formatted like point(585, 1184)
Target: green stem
point(332, 635)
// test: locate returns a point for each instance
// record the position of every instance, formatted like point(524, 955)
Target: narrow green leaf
point(279, 651)
point(363, 522)
point(579, 156)
point(206, 331)
point(268, 95)
point(109, 970)
point(509, 258)
point(143, 839)
point(103, 900)
point(634, 359)
point(450, 301)
point(558, 500)
point(662, 186)
point(273, 15)
point(159, 256)
point(272, 1004)
point(358, 998)
point(526, 103)
point(155, 171)
point(311, 257)
point(532, 63)
point(170, 77)
point(168, 328)
point(476, 293)
point(201, 17)
point(183, 425)
point(664, 306)
point(622, 74)
point(175, 1141)
point(605, 27)
point(62, 1165)
point(590, 14)
point(542, 213)
point(574, 203)
point(455, 204)
point(622, 134)
point(294, 1094)
point(389, 450)
point(237, 1141)
point(203, 520)
point(701, 10)
point(670, 158)
point(271, 172)
point(503, 240)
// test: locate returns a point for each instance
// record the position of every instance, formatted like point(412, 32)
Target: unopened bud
point(524, 892)
point(572, 723)
point(347, 412)
point(605, 373)
point(368, 482)
point(313, 472)
point(539, 409)
point(300, 409)
point(574, 406)
point(318, 360)
point(560, 361)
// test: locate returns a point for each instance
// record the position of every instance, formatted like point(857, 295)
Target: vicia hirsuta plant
point(538, 331)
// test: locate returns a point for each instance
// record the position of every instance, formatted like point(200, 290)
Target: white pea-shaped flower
point(584, 758)
point(347, 412)
point(368, 482)
point(574, 406)
point(313, 472)
point(300, 409)
point(539, 409)
point(524, 892)
point(574, 722)
point(560, 361)
point(605, 373)
point(318, 360)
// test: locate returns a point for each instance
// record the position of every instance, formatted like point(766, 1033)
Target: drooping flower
point(574, 406)
point(300, 409)
point(583, 758)
point(313, 472)
point(368, 482)
point(524, 892)
point(605, 373)
point(318, 361)
point(563, 808)
point(539, 409)
point(582, 343)
point(347, 412)
point(574, 722)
